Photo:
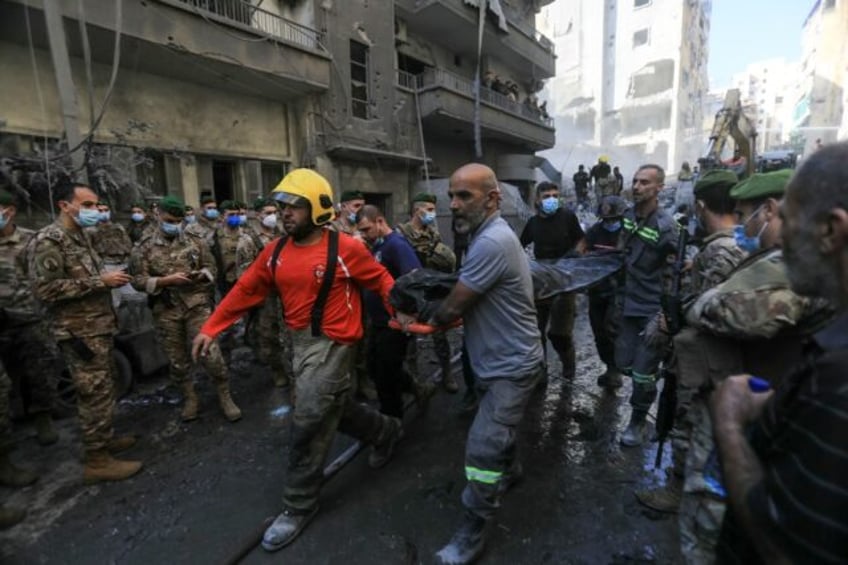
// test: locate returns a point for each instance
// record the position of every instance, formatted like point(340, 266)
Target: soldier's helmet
point(612, 207)
point(305, 186)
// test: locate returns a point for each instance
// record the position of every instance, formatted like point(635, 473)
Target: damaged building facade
point(188, 97)
point(631, 76)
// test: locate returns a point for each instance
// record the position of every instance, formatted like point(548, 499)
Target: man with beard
point(323, 310)
point(783, 453)
point(494, 296)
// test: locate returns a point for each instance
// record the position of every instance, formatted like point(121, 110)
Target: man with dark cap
point(190, 217)
point(422, 232)
point(139, 221)
point(753, 322)
point(178, 272)
point(603, 238)
point(207, 221)
point(350, 203)
point(232, 247)
point(555, 233)
point(717, 258)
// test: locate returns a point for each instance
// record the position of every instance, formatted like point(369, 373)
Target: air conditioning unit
point(400, 31)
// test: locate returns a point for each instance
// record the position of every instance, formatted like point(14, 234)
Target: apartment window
point(829, 4)
point(359, 79)
point(641, 3)
point(640, 37)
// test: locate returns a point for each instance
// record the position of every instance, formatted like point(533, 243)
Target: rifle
point(671, 306)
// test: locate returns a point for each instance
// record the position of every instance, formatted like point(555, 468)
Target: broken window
point(359, 80)
point(651, 79)
point(641, 37)
point(640, 3)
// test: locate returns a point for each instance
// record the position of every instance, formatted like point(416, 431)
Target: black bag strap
point(326, 283)
point(275, 257)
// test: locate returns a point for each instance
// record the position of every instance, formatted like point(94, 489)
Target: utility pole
point(65, 84)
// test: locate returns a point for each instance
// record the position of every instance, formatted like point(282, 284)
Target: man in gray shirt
point(494, 296)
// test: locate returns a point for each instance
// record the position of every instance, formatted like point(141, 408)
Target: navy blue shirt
point(399, 258)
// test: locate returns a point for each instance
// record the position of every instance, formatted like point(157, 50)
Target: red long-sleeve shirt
point(299, 272)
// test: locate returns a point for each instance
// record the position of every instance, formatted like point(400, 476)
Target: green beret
point(206, 199)
point(173, 206)
point(424, 197)
point(240, 204)
point(260, 203)
point(189, 208)
point(716, 178)
point(137, 205)
point(351, 195)
point(6, 198)
point(229, 205)
point(762, 185)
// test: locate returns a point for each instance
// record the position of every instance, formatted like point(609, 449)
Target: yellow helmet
point(603, 159)
point(302, 186)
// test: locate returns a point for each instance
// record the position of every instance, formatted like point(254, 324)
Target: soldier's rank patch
point(48, 261)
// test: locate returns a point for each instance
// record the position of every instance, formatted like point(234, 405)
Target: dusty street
point(206, 486)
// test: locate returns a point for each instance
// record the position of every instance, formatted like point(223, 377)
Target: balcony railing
point(440, 78)
point(244, 15)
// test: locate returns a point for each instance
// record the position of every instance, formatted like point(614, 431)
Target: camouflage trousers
point(324, 404)
point(5, 410)
point(701, 512)
point(177, 327)
point(93, 381)
point(271, 337)
point(29, 351)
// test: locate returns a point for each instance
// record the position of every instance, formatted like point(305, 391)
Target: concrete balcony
point(447, 105)
point(228, 44)
point(453, 24)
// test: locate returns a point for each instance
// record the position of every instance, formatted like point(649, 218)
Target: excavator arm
point(731, 122)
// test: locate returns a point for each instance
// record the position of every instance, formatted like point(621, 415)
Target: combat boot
point(45, 432)
point(189, 412)
point(225, 401)
point(665, 499)
point(467, 543)
point(13, 476)
point(10, 516)
point(101, 466)
point(286, 528)
point(634, 435)
point(382, 451)
point(120, 443)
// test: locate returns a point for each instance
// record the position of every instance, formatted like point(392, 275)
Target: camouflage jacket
point(234, 251)
point(718, 257)
point(261, 238)
point(65, 272)
point(428, 245)
point(156, 256)
point(136, 229)
point(204, 229)
point(112, 243)
point(17, 305)
point(342, 226)
point(755, 302)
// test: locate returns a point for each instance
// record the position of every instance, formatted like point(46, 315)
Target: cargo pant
point(636, 359)
point(556, 322)
point(29, 349)
point(178, 326)
point(491, 452)
point(94, 384)
point(324, 405)
point(273, 340)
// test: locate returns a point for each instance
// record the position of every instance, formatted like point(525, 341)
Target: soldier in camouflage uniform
point(207, 222)
point(272, 337)
point(717, 258)
point(110, 240)
point(751, 323)
point(351, 202)
point(139, 222)
point(423, 234)
point(68, 277)
point(232, 247)
point(25, 343)
point(178, 271)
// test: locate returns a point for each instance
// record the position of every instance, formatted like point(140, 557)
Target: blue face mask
point(243, 219)
point(612, 227)
point(170, 229)
point(211, 213)
point(138, 217)
point(749, 244)
point(351, 217)
point(190, 219)
point(550, 205)
point(105, 216)
point(87, 218)
point(428, 218)
point(233, 221)
point(4, 220)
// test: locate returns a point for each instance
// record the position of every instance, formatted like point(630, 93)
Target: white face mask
point(270, 221)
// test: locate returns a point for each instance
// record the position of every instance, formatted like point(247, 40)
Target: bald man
point(494, 296)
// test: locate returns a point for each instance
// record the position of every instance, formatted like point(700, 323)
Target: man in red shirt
point(322, 338)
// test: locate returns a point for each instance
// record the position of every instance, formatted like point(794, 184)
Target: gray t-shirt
point(501, 332)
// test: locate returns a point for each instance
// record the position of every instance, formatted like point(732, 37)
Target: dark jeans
point(601, 311)
point(558, 313)
point(385, 353)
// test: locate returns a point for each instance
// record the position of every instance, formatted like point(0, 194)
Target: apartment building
point(631, 76)
point(225, 96)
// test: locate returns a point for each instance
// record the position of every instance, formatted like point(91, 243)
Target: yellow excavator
point(731, 122)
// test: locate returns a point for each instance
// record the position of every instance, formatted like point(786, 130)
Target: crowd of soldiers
point(696, 313)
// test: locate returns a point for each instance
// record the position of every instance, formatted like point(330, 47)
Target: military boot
point(10, 516)
point(189, 412)
point(286, 527)
point(13, 476)
point(45, 432)
point(101, 466)
point(634, 435)
point(225, 401)
point(467, 543)
point(120, 443)
point(665, 499)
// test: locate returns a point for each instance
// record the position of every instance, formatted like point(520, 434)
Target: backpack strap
point(275, 257)
point(326, 283)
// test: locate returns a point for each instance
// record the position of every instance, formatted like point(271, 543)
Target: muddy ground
point(208, 485)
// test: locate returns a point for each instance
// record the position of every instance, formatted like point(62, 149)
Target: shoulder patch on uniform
point(48, 259)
